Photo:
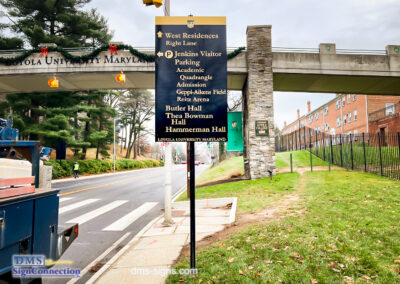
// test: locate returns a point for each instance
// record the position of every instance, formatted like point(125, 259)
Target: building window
point(310, 119)
point(348, 98)
point(326, 110)
point(295, 128)
point(316, 115)
point(326, 126)
point(355, 115)
point(354, 98)
point(343, 101)
point(349, 117)
point(344, 119)
point(338, 104)
point(338, 121)
point(389, 109)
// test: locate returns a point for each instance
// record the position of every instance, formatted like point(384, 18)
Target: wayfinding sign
point(191, 79)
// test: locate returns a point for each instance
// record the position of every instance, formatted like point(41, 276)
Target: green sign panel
point(262, 128)
point(235, 132)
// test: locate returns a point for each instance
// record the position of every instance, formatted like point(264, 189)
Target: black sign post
point(191, 88)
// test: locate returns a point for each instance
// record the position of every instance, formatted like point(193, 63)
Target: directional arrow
point(159, 34)
point(159, 54)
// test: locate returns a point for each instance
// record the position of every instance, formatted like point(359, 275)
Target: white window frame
point(348, 98)
point(355, 115)
point(326, 110)
point(349, 117)
point(338, 104)
point(344, 119)
point(343, 101)
point(338, 121)
point(354, 98)
point(389, 109)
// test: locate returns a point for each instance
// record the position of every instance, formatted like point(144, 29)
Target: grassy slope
point(222, 170)
point(252, 195)
point(225, 169)
point(301, 159)
point(349, 233)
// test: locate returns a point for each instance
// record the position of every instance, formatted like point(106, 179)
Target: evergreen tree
point(61, 22)
point(9, 42)
point(81, 119)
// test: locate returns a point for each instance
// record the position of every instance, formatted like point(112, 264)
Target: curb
point(232, 214)
point(109, 263)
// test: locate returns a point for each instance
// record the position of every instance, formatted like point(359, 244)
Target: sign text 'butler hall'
point(191, 73)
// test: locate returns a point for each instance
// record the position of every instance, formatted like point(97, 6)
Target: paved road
point(110, 208)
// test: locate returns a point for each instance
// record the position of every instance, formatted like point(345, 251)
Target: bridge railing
point(338, 51)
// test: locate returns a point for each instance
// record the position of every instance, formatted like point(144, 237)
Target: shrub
point(64, 168)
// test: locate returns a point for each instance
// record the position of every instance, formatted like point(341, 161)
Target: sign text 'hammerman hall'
point(191, 79)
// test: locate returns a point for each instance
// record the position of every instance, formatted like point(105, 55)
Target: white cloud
point(356, 24)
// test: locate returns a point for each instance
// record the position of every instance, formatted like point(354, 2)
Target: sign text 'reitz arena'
point(191, 72)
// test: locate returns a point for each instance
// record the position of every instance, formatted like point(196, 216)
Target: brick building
point(351, 113)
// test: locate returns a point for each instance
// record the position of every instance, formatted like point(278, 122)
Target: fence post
point(305, 138)
point(331, 149)
point(291, 163)
point(365, 155)
point(351, 152)
point(311, 160)
point(323, 144)
point(398, 142)
point(341, 151)
point(380, 153)
point(329, 162)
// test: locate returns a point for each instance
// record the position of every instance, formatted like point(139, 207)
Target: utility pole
point(168, 165)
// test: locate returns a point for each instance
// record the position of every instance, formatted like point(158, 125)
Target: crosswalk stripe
point(76, 205)
point(97, 212)
point(65, 199)
point(122, 223)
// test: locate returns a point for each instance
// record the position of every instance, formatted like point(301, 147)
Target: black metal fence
point(374, 153)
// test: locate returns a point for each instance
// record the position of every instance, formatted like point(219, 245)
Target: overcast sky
point(351, 24)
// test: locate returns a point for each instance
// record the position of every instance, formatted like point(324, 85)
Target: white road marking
point(65, 199)
point(76, 205)
point(100, 257)
point(122, 223)
point(97, 212)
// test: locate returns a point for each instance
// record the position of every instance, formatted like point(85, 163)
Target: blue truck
point(28, 214)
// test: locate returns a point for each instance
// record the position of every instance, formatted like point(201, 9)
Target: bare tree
point(136, 107)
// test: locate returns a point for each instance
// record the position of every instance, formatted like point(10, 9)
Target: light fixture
point(53, 82)
point(120, 78)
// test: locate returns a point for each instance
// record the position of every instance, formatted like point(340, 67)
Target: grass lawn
point(225, 169)
point(253, 195)
point(301, 159)
point(349, 234)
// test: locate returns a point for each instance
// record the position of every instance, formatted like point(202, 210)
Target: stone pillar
point(259, 150)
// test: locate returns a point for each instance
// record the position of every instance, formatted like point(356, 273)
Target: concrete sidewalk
point(147, 258)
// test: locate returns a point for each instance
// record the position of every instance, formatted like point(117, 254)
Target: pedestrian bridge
point(323, 69)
